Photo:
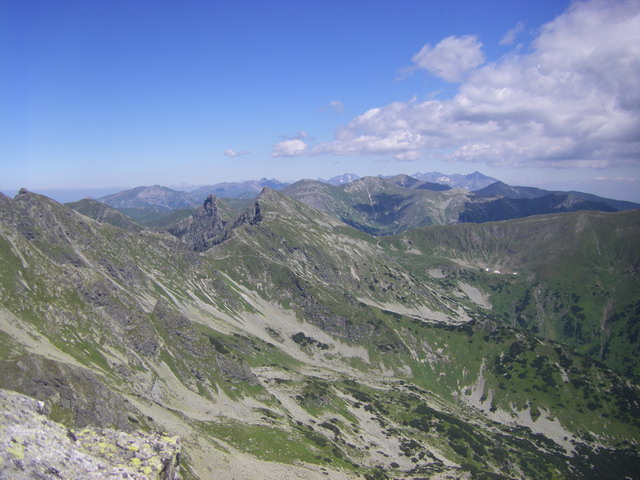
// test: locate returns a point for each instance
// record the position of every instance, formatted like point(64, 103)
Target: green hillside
point(381, 207)
point(571, 278)
point(389, 206)
point(104, 213)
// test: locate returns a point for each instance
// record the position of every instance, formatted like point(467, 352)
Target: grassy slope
point(104, 213)
point(576, 282)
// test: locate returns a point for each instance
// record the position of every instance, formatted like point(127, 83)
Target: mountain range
point(279, 341)
point(160, 197)
point(384, 206)
point(376, 205)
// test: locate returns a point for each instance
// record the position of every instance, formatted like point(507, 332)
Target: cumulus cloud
point(570, 101)
point(289, 148)
point(451, 58)
point(230, 152)
point(510, 36)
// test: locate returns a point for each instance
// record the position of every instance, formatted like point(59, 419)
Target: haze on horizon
point(96, 94)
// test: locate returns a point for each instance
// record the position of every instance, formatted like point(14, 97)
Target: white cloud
point(289, 148)
point(336, 106)
point(230, 152)
point(616, 179)
point(510, 36)
point(451, 58)
point(571, 101)
point(301, 135)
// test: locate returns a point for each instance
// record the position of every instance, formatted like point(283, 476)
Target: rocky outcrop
point(235, 370)
point(201, 230)
point(178, 327)
point(77, 395)
point(44, 222)
point(206, 227)
point(253, 215)
point(34, 446)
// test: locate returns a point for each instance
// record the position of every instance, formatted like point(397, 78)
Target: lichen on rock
point(33, 446)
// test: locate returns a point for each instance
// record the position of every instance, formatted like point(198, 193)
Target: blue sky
point(126, 93)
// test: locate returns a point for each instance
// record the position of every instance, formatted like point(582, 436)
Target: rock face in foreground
point(33, 446)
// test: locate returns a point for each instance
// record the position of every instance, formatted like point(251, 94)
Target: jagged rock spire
point(200, 230)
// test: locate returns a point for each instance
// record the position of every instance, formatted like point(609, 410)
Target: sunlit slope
point(380, 207)
point(103, 213)
point(571, 277)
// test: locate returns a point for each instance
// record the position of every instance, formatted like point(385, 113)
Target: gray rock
point(77, 395)
point(203, 228)
point(33, 446)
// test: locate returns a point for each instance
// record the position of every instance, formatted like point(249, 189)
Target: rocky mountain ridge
point(392, 204)
point(386, 206)
point(156, 196)
point(247, 189)
point(472, 181)
point(203, 227)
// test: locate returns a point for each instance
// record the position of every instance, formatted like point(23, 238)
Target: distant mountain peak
point(154, 196)
point(341, 179)
point(472, 181)
point(500, 197)
point(403, 180)
point(406, 181)
point(245, 189)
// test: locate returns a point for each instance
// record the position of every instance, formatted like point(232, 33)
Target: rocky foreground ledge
point(34, 446)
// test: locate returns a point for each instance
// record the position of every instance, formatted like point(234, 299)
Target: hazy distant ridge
point(381, 205)
point(472, 181)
